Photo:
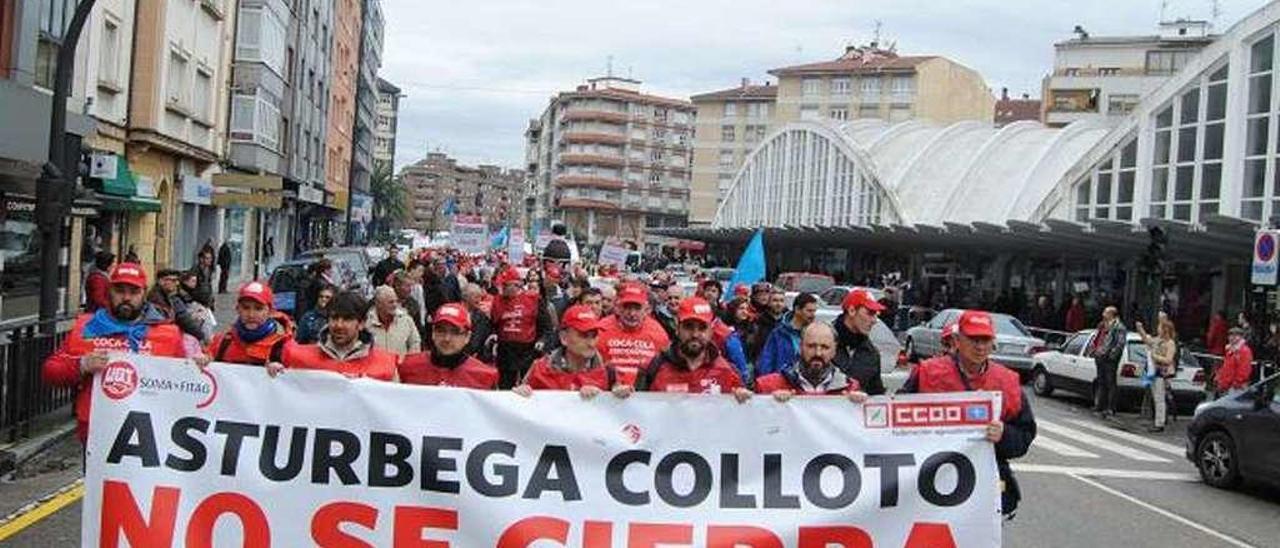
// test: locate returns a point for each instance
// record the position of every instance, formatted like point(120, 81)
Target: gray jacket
point(1112, 346)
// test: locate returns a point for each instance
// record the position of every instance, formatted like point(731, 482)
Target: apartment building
point(1104, 76)
point(362, 135)
point(730, 124)
point(438, 186)
point(343, 77)
point(611, 161)
point(388, 121)
point(311, 44)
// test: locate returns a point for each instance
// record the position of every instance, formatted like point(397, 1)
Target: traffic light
point(1156, 258)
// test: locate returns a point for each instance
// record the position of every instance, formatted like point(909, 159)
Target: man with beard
point(814, 372)
point(693, 365)
point(345, 347)
point(166, 296)
point(856, 356)
point(448, 363)
point(129, 324)
point(630, 339)
point(481, 326)
point(260, 332)
point(521, 319)
point(439, 286)
point(577, 365)
point(388, 265)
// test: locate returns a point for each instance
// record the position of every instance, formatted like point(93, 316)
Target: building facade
point(1013, 109)
point(438, 186)
point(611, 161)
point(1101, 76)
point(343, 81)
point(730, 123)
point(866, 82)
point(311, 45)
point(362, 135)
point(388, 121)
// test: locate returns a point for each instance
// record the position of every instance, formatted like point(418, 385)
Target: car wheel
point(1040, 381)
point(1216, 459)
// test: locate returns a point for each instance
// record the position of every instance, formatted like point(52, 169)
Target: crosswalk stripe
point(1061, 448)
point(1149, 443)
point(1105, 444)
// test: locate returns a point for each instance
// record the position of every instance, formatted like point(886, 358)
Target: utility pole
point(55, 189)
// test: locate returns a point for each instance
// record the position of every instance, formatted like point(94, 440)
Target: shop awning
point(130, 203)
point(123, 184)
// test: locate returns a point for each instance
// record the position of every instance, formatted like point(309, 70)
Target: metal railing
point(24, 397)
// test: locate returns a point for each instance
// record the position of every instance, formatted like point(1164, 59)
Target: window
point(1107, 192)
point(839, 113)
point(1120, 104)
point(1071, 72)
point(176, 82)
point(903, 87)
point(757, 110)
point(869, 111)
point(1167, 62)
point(1108, 71)
point(809, 112)
point(730, 110)
point(261, 36)
point(840, 86)
point(726, 158)
point(810, 87)
point(109, 54)
point(871, 88)
point(1260, 107)
point(200, 100)
point(727, 134)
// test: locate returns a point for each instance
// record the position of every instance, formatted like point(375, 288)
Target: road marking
point(33, 513)
point(1175, 517)
point(1149, 443)
point(1104, 472)
point(1061, 448)
point(1100, 443)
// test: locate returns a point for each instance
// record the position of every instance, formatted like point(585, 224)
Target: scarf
point(252, 336)
point(105, 325)
point(447, 362)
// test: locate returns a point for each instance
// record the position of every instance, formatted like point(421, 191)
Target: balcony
point(578, 137)
point(589, 181)
point(594, 115)
point(570, 159)
point(586, 203)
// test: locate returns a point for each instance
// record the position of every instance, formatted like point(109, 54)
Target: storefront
point(126, 224)
point(248, 201)
point(198, 221)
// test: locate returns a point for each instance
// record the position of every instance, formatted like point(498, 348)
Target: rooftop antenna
point(875, 41)
point(1217, 12)
point(609, 66)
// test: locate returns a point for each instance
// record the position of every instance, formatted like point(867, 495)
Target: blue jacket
point(734, 352)
point(780, 349)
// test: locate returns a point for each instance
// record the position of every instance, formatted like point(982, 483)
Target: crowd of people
point(479, 322)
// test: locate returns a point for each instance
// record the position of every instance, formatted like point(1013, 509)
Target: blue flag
point(499, 239)
point(750, 265)
point(450, 207)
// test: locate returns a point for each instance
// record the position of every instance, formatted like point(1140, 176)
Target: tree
point(388, 200)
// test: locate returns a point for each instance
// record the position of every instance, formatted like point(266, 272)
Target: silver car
point(1015, 346)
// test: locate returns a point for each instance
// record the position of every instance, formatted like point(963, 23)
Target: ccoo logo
point(119, 380)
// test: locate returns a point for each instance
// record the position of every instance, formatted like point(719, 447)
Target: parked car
point(1237, 437)
point(1015, 346)
point(351, 266)
point(804, 282)
point(287, 281)
point(1067, 368)
point(725, 275)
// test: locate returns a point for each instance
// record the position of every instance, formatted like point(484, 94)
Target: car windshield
point(288, 278)
point(810, 284)
point(1008, 325)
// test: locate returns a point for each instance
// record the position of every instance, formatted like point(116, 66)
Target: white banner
point(229, 457)
point(469, 234)
point(613, 253)
point(515, 246)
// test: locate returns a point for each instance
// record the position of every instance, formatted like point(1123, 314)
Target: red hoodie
point(631, 350)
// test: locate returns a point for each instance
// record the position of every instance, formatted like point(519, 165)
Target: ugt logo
point(119, 380)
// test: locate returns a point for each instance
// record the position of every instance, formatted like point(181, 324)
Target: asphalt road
point(1086, 483)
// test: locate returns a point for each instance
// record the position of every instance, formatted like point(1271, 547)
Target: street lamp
point(53, 194)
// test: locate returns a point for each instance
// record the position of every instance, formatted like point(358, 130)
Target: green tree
point(389, 208)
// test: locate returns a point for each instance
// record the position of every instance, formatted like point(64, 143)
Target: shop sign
point(103, 165)
point(196, 190)
point(310, 194)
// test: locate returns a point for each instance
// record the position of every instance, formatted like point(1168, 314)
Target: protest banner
point(227, 456)
point(469, 234)
point(613, 253)
point(515, 246)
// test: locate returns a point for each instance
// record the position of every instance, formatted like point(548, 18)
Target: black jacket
point(481, 328)
point(385, 268)
point(858, 358)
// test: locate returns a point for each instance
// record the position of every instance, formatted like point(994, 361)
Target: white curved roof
point(932, 174)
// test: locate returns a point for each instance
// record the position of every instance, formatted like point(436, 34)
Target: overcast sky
point(476, 71)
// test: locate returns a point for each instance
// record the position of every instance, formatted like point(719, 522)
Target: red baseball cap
point(976, 323)
point(507, 276)
point(695, 308)
point(581, 318)
point(741, 290)
point(129, 274)
point(861, 298)
point(948, 332)
point(455, 314)
point(632, 293)
point(257, 291)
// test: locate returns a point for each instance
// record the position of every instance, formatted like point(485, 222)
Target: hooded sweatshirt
point(780, 349)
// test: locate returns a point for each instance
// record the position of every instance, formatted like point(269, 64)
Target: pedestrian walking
point(1237, 365)
point(260, 332)
point(314, 321)
point(97, 283)
point(448, 363)
point(392, 328)
point(693, 365)
point(224, 266)
point(814, 372)
point(1162, 355)
point(345, 347)
point(1106, 349)
point(783, 345)
point(856, 355)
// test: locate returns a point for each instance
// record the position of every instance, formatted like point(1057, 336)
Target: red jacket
point(1215, 339)
point(787, 380)
point(370, 362)
point(545, 374)
point(668, 373)
point(1075, 318)
point(471, 373)
point(631, 350)
point(1236, 369)
point(227, 346)
point(515, 319)
point(942, 374)
point(63, 367)
point(96, 286)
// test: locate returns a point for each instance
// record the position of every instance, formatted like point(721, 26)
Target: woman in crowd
point(1162, 355)
point(313, 321)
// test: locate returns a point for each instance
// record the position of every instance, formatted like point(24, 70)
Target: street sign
point(1264, 257)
